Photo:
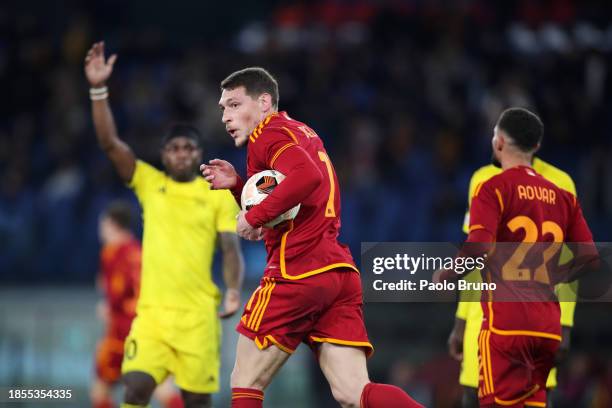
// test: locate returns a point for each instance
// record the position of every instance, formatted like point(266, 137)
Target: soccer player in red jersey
point(518, 340)
point(311, 290)
point(119, 278)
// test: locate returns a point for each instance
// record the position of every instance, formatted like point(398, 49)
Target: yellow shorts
point(469, 365)
point(184, 343)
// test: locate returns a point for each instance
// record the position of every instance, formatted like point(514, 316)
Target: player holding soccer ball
point(311, 290)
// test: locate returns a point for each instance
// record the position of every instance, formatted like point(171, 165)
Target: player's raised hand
point(231, 303)
point(220, 174)
point(97, 68)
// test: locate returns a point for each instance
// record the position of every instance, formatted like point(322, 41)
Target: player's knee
point(347, 397)
point(193, 400)
point(243, 379)
point(139, 387)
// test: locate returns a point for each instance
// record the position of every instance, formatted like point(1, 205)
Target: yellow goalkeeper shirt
point(180, 226)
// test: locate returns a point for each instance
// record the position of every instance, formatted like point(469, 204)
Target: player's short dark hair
point(182, 130)
point(524, 127)
point(120, 212)
point(256, 81)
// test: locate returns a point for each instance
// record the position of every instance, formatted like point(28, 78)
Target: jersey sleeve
point(226, 212)
point(486, 209)
point(135, 267)
point(302, 178)
point(567, 184)
point(578, 230)
point(474, 182)
point(267, 147)
point(144, 176)
point(462, 310)
point(566, 293)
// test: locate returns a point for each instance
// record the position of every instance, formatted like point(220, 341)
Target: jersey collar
point(259, 128)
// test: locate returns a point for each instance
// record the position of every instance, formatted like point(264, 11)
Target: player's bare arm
point(97, 70)
point(233, 272)
point(455, 340)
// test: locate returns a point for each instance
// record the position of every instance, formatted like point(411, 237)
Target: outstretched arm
point(97, 71)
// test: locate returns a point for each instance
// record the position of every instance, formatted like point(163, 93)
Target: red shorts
point(324, 308)
point(109, 356)
point(514, 369)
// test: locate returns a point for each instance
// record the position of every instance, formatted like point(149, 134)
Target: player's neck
point(515, 161)
point(185, 179)
point(118, 238)
point(264, 116)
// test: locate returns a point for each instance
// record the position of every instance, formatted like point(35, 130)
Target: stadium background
point(404, 94)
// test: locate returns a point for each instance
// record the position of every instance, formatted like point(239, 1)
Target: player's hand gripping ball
point(257, 189)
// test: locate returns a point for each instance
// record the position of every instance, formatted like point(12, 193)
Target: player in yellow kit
point(463, 340)
point(176, 329)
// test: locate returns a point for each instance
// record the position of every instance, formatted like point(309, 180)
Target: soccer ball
point(257, 189)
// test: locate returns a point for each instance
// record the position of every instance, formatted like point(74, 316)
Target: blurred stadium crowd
point(404, 94)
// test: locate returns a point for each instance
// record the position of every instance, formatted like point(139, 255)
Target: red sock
point(175, 401)
point(106, 403)
point(386, 396)
point(247, 398)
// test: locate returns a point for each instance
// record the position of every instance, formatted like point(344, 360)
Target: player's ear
point(265, 101)
point(536, 148)
point(501, 141)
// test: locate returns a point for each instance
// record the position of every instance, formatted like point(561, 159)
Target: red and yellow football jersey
point(308, 245)
point(521, 206)
point(120, 274)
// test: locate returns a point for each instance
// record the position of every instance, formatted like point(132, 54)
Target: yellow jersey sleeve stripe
point(278, 153)
point(476, 227)
point(478, 187)
point(499, 198)
point(291, 134)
